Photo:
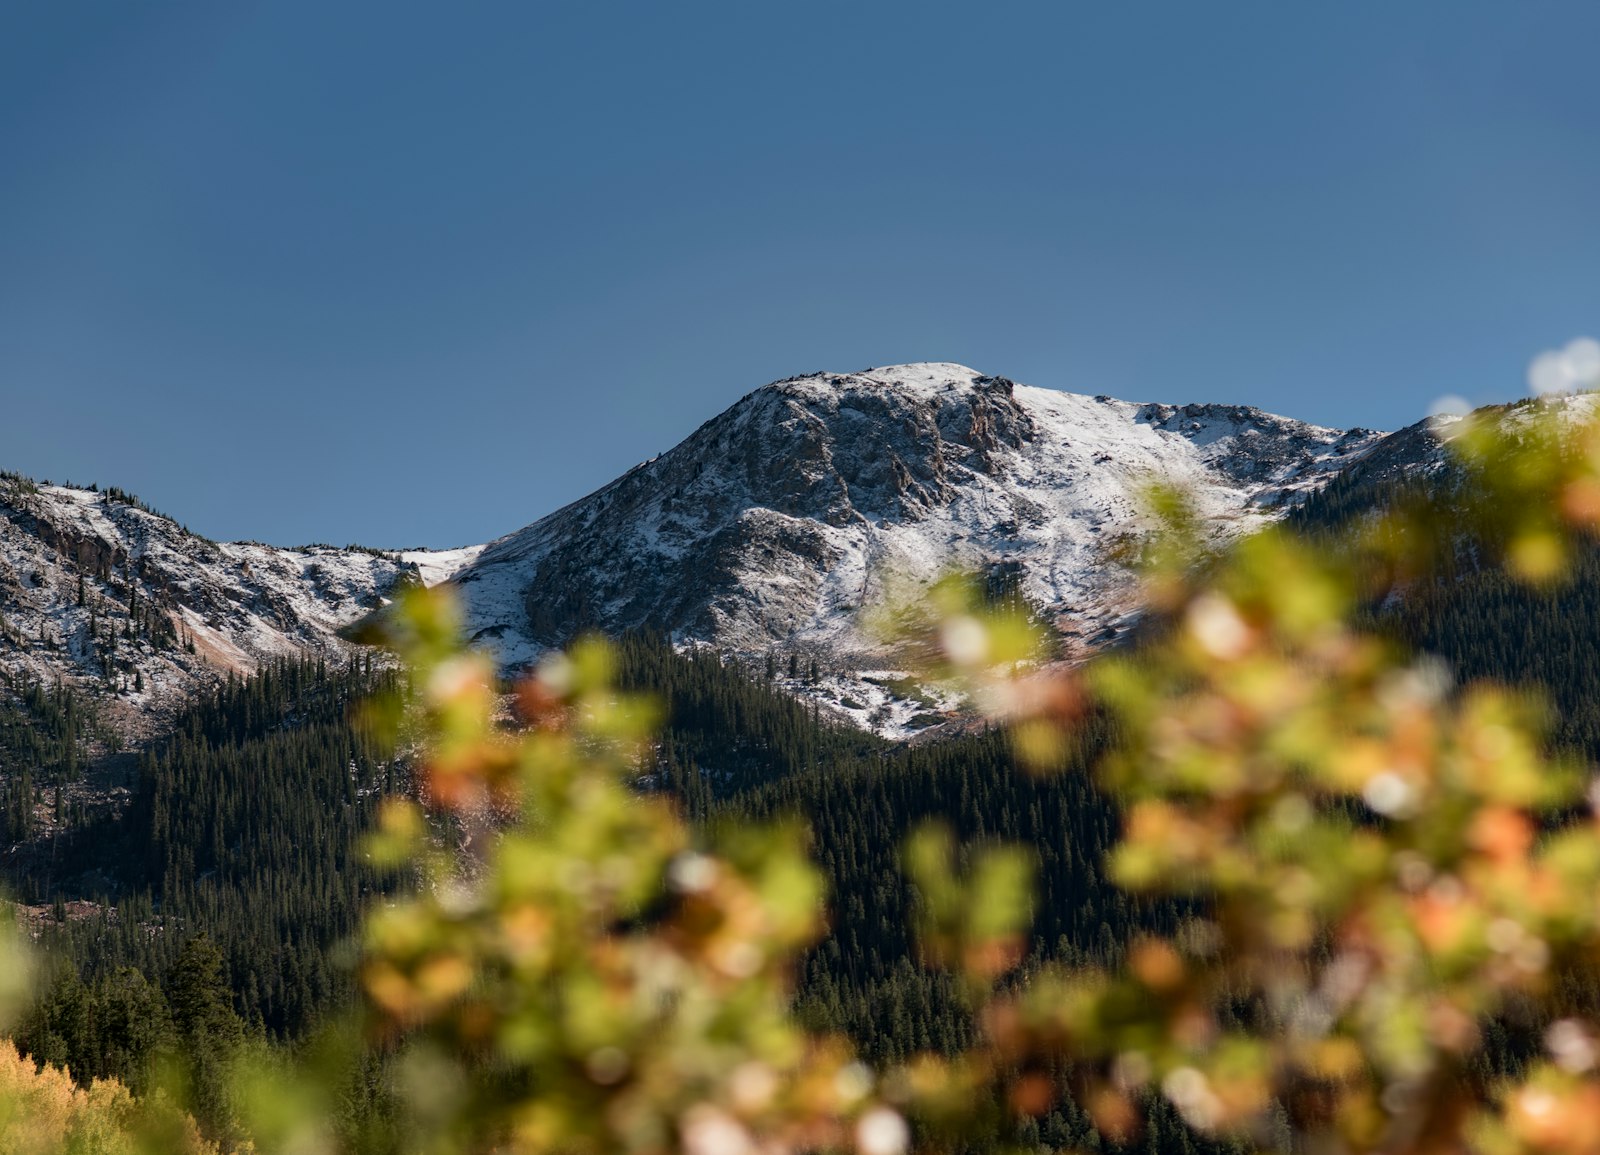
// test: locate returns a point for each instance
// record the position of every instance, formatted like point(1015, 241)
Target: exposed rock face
point(771, 526)
point(775, 522)
point(148, 588)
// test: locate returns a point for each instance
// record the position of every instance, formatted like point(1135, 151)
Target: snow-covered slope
point(774, 523)
point(768, 529)
point(149, 588)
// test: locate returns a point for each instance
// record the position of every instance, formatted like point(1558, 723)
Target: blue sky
point(420, 273)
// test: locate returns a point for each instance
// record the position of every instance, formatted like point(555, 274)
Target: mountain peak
point(771, 527)
point(922, 380)
point(777, 522)
point(912, 375)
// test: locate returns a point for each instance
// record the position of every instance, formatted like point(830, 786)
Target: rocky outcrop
point(775, 522)
point(97, 591)
point(772, 526)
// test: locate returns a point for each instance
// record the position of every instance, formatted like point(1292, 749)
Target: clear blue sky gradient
point(420, 273)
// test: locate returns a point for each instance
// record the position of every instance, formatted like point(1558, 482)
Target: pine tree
point(208, 1032)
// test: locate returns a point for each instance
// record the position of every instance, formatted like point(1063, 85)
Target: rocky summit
point(767, 531)
point(777, 522)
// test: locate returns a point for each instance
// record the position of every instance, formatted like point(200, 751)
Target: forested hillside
point(242, 827)
point(223, 891)
point(864, 978)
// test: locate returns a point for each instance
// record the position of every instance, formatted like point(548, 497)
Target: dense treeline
point(236, 859)
point(43, 733)
point(725, 730)
point(122, 1024)
point(244, 821)
point(1487, 626)
point(244, 825)
point(865, 978)
point(1480, 620)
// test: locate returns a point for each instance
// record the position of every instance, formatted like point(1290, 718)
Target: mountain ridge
point(768, 529)
point(99, 591)
point(775, 523)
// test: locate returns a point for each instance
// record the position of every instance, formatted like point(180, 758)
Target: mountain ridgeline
point(770, 528)
point(777, 522)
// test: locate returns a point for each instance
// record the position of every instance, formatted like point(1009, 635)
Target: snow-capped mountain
point(96, 589)
point(767, 530)
point(775, 523)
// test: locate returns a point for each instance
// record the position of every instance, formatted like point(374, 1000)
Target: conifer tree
point(208, 1032)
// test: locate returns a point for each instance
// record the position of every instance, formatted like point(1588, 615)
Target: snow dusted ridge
point(774, 523)
point(769, 528)
point(241, 603)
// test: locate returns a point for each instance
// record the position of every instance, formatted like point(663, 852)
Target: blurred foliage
point(1388, 863)
point(584, 977)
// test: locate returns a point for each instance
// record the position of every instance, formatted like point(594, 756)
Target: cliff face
point(769, 528)
point(775, 522)
point(98, 591)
